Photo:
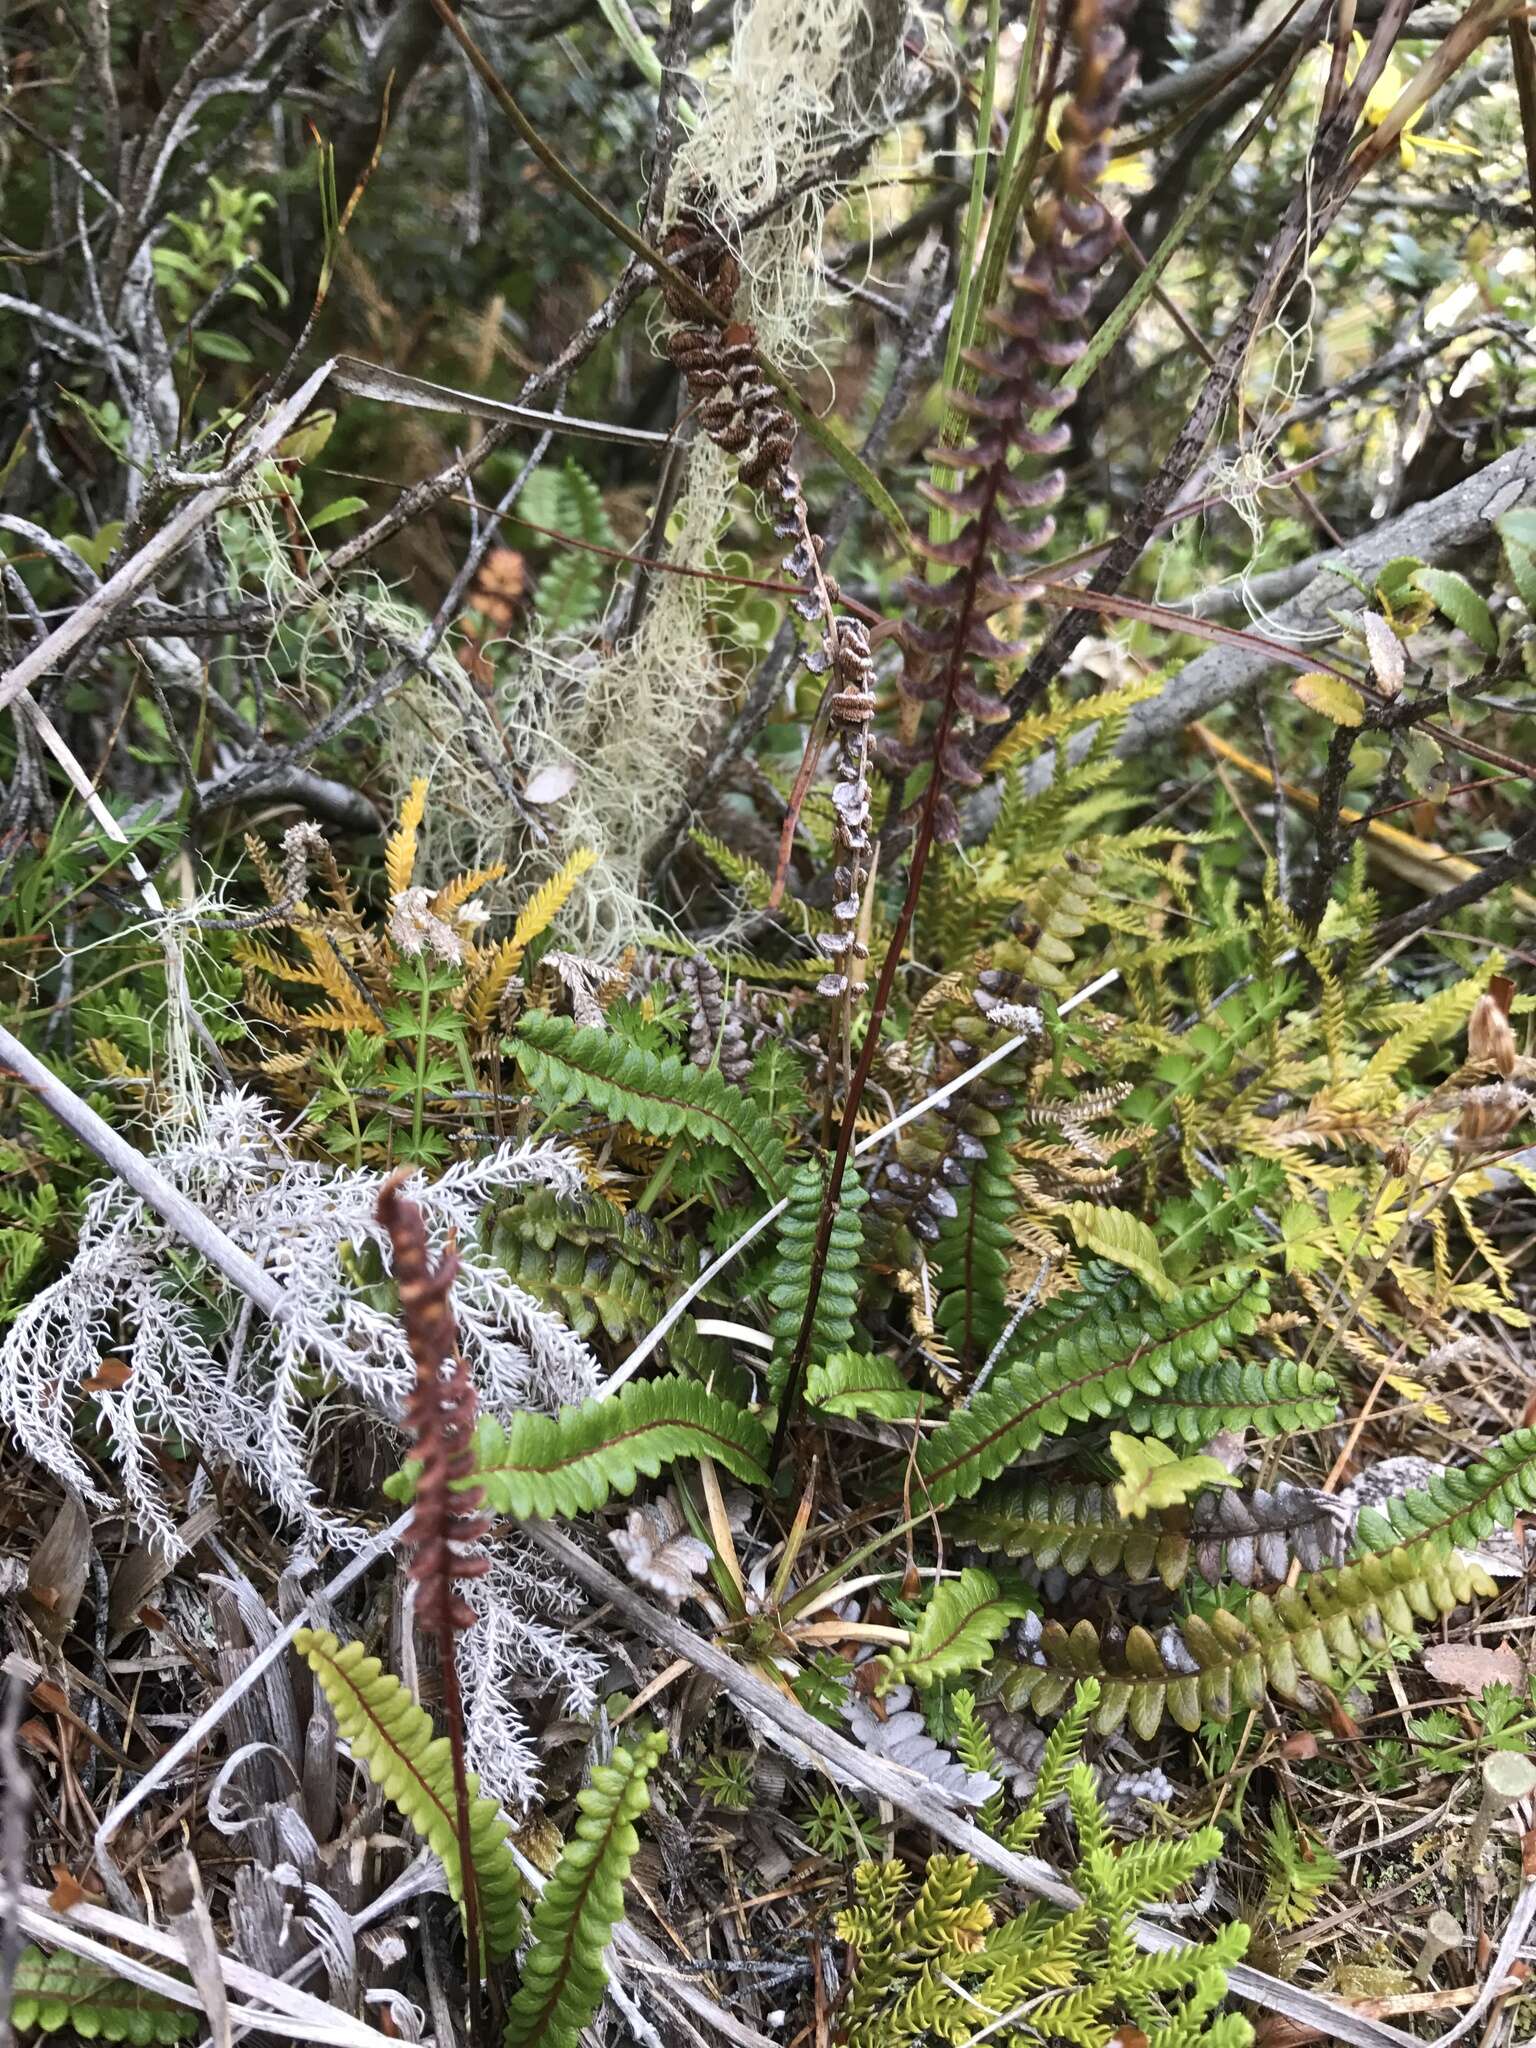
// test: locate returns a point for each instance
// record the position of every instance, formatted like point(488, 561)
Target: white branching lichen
point(523, 1645)
point(168, 1353)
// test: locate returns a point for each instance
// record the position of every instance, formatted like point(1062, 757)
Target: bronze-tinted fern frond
point(446, 1522)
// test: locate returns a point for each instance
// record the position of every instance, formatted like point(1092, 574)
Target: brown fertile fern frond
point(446, 1524)
point(440, 1417)
point(1075, 235)
point(1006, 513)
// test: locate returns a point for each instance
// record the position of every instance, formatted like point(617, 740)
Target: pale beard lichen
point(784, 95)
point(624, 721)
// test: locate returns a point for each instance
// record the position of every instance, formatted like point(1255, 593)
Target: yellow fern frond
point(535, 917)
point(1043, 728)
point(615, 984)
point(546, 903)
point(271, 881)
point(113, 1061)
point(331, 975)
point(263, 1001)
point(400, 853)
point(260, 958)
point(452, 897)
point(281, 1064)
point(597, 1177)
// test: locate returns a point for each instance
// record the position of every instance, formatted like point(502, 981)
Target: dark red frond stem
point(445, 1521)
point(1007, 520)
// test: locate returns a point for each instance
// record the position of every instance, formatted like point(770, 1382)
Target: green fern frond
point(790, 1276)
point(564, 1976)
point(1462, 1506)
point(945, 1971)
point(1279, 1395)
point(663, 1097)
point(856, 1383)
point(1299, 1870)
point(1074, 1526)
point(1223, 1661)
point(973, 1250)
point(1077, 1527)
point(961, 1622)
point(568, 1464)
point(756, 884)
point(1094, 1370)
point(1063, 1750)
point(50, 1993)
point(391, 1736)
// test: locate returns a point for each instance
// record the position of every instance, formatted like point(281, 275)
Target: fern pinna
point(1074, 234)
point(563, 1976)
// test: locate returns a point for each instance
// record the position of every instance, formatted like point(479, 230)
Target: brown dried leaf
point(56, 1575)
point(68, 1892)
point(110, 1377)
point(1470, 1667)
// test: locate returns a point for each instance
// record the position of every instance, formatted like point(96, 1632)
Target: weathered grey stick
point(1458, 518)
point(130, 1165)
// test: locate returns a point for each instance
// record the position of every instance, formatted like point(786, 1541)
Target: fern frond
point(790, 1277)
point(855, 1383)
point(755, 883)
point(1279, 1395)
point(1053, 722)
point(453, 896)
point(60, 1991)
point(394, 1741)
point(533, 920)
point(1462, 1506)
point(961, 1622)
point(1206, 1666)
point(570, 1463)
point(1060, 1757)
point(661, 1097)
point(1076, 1527)
point(563, 1976)
point(1093, 1370)
point(400, 851)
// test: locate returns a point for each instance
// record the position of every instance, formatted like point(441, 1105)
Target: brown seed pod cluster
point(440, 1417)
